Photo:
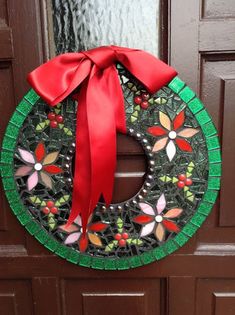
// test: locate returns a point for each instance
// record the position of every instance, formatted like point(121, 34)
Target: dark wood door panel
point(120, 296)
point(15, 297)
point(181, 295)
point(215, 296)
point(6, 51)
point(46, 296)
point(218, 71)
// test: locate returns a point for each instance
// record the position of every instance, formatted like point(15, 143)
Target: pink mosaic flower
point(154, 221)
point(173, 134)
point(75, 233)
point(38, 166)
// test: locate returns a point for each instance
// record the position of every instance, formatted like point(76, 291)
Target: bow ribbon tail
point(96, 149)
point(82, 171)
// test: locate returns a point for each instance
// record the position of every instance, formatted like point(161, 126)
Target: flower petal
point(170, 226)
point(97, 227)
point(160, 232)
point(173, 213)
point(68, 229)
point(143, 219)
point(83, 243)
point(161, 204)
point(146, 208)
point(46, 180)
point(160, 144)
point(26, 156)
point(50, 158)
point(179, 120)
point(23, 170)
point(94, 239)
point(183, 145)
point(32, 181)
point(52, 169)
point(78, 220)
point(165, 120)
point(170, 150)
point(40, 152)
point(72, 238)
point(188, 132)
point(147, 229)
point(156, 131)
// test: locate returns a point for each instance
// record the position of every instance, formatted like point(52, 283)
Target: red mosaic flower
point(75, 233)
point(39, 166)
point(173, 134)
point(154, 221)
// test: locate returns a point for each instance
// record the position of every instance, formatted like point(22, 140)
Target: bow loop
point(100, 112)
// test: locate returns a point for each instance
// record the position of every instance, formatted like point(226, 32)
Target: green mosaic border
point(27, 220)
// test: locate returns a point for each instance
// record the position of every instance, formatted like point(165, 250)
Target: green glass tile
point(176, 84)
point(215, 169)
point(24, 107)
point(204, 207)
point(209, 129)
point(17, 119)
point(213, 143)
point(214, 183)
point(73, 257)
point(159, 253)
point(135, 262)
point(8, 183)
point(13, 197)
point(17, 208)
point(198, 219)
point(6, 157)
point(110, 264)
point(84, 261)
point(203, 117)
point(214, 156)
point(181, 239)
point(186, 94)
point(62, 251)
point(195, 105)
point(32, 97)
point(8, 143)
point(32, 227)
point(189, 229)
point(97, 263)
point(12, 131)
point(42, 236)
point(170, 246)
point(210, 196)
point(52, 244)
point(24, 218)
point(147, 258)
point(6, 170)
point(122, 264)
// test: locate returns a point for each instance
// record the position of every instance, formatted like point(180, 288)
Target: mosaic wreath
point(180, 188)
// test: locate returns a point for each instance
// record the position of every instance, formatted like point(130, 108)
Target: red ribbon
point(100, 112)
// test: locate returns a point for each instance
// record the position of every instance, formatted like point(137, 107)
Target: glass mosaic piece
point(181, 185)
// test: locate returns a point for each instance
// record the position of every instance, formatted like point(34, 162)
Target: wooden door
point(198, 36)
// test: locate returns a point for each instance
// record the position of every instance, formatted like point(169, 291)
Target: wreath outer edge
point(203, 210)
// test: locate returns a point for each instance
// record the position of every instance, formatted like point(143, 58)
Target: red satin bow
point(100, 112)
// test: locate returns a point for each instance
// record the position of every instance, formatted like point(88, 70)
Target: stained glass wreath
point(181, 185)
